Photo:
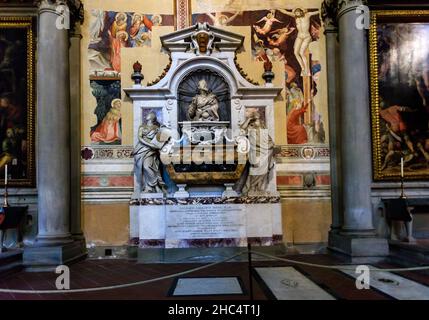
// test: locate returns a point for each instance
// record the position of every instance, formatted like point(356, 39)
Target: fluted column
point(53, 126)
point(329, 12)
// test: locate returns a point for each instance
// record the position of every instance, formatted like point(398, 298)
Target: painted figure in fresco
point(397, 133)
point(302, 19)
point(261, 155)
point(140, 30)
point(280, 36)
point(146, 156)
point(204, 106)
point(109, 131)
point(295, 97)
point(269, 21)
point(10, 148)
point(156, 20)
point(296, 132)
point(117, 44)
point(219, 19)
point(118, 39)
point(290, 73)
point(97, 25)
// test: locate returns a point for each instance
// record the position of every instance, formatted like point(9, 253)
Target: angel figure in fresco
point(280, 36)
point(269, 21)
point(261, 155)
point(108, 131)
point(303, 22)
point(219, 19)
point(147, 164)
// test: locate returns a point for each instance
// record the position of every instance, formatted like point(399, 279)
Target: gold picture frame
point(388, 116)
point(17, 42)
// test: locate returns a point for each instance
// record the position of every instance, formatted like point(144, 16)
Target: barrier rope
point(127, 285)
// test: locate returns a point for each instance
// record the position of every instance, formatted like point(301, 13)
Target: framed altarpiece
point(399, 67)
point(17, 101)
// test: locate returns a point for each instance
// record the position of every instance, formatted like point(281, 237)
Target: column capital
point(75, 7)
point(329, 15)
point(345, 6)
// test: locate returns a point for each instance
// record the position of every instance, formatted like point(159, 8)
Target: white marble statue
point(261, 156)
point(204, 106)
point(147, 165)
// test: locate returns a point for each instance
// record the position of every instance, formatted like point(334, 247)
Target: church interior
point(214, 149)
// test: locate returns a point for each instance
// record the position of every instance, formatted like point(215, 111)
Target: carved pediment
point(203, 39)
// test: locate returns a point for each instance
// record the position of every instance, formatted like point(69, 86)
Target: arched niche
point(216, 83)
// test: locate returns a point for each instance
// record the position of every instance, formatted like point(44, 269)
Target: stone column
point(357, 236)
point(331, 32)
point(53, 127)
point(75, 128)
point(54, 244)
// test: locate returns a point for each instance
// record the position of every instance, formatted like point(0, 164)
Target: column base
point(47, 257)
point(357, 246)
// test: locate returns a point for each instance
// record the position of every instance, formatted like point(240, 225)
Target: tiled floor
point(97, 273)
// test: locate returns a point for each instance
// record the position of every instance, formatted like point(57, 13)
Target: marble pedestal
point(161, 225)
point(47, 258)
point(355, 246)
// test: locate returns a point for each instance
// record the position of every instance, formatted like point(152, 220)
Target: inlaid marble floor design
point(286, 283)
point(395, 285)
point(207, 286)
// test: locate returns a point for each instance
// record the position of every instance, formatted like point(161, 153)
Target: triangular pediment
point(222, 40)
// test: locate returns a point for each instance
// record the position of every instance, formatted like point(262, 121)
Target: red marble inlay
point(289, 180)
point(90, 182)
point(121, 181)
point(323, 180)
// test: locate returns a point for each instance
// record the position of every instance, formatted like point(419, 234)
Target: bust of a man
point(204, 106)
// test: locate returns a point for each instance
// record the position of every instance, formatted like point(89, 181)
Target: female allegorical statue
point(261, 155)
point(146, 156)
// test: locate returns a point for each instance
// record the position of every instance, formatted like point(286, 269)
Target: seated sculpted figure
point(146, 156)
point(204, 106)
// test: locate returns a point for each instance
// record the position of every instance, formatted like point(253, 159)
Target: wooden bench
point(11, 218)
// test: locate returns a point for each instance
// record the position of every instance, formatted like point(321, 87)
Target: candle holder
point(5, 197)
point(403, 196)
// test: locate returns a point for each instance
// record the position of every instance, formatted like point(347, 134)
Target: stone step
point(10, 262)
point(409, 255)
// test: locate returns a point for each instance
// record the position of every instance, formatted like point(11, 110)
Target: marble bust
point(204, 106)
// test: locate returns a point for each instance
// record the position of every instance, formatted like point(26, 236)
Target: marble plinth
point(205, 222)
